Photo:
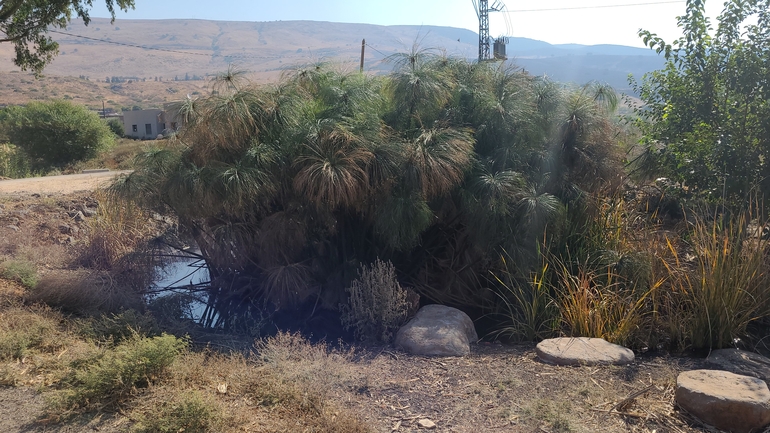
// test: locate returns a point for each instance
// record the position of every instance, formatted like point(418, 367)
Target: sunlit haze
point(585, 22)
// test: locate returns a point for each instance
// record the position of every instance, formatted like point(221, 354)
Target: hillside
point(266, 49)
point(19, 88)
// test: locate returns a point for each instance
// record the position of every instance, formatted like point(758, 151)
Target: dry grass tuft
point(377, 304)
point(118, 234)
point(190, 411)
point(25, 330)
point(599, 305)
point(295, 377)
point(284, 386)
point(85, 293)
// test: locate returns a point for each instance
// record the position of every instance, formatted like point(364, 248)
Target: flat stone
point(727, 401)
point(582, 351)
point(426, 423)
point(741, 362)
point(437, 330)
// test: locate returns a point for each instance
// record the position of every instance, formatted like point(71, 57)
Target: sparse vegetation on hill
point(20, 88)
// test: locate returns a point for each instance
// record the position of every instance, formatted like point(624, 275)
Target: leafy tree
point(706, 118)
point(25, 24)
point(56, 133)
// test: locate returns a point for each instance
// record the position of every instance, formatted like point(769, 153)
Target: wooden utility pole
point(363, 48)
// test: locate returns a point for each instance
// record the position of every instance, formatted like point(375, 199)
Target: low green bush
point(118, 327)
point(23, 272)
point(113, 376)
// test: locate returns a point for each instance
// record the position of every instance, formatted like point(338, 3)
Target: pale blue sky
point(616, 25)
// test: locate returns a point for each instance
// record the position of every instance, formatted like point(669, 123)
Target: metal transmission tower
point(482, 12)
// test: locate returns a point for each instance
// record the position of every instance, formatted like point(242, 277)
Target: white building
point(149, 124)
point(144, 124)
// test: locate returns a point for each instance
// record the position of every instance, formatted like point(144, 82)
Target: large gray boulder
point(437, 330)
point(727, 401)
point(582, 351)
point(741, 362)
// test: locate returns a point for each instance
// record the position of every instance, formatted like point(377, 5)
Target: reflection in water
point(184, 278)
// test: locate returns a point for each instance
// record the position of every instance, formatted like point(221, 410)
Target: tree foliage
point(25, 24)
point(288, 188)
point(54, 134)
point(706, 117)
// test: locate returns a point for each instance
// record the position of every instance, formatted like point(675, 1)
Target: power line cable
point(595, 7)
point(375, 49)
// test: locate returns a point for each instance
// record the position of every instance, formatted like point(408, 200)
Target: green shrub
point(22, 271)
point(377, 304)
point(13, 162)
point(116, 126)
point(54, 134)
point(190, 412)
point(119, 327)
point(112, 377)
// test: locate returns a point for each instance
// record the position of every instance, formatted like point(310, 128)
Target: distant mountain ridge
point(198, 47)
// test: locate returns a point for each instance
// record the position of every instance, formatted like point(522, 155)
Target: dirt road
point(65, 184)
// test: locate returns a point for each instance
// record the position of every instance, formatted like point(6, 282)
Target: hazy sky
point(610, 25)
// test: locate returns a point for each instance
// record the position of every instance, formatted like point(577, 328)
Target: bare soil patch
point(64, 184)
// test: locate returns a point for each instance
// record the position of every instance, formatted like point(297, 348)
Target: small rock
point(78, 216)
point(426, 423)
point(582, 351)
point(727, 401)
point(437, 330)
point(741, 362)
point(89, 212)
point(65, 229)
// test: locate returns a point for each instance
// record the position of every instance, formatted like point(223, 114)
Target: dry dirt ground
point(64, 184)
point(498, 388)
